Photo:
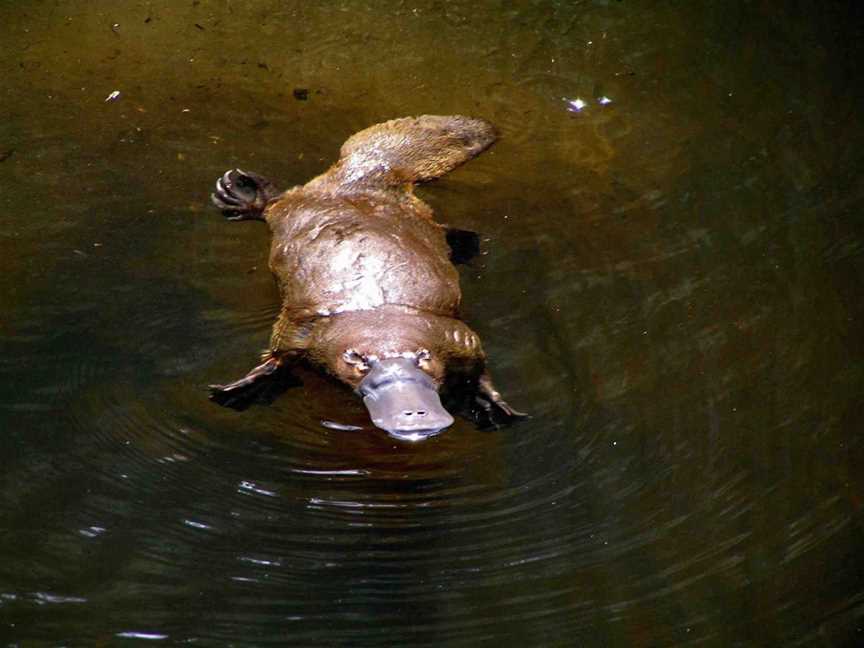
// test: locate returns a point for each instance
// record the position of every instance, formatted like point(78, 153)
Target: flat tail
point(411, 149)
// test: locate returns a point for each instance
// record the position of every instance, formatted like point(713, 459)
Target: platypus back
point(356, 238)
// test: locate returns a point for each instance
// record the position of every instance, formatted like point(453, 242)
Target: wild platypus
point(369, 289)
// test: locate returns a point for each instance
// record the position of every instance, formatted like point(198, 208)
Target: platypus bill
point(369, 291)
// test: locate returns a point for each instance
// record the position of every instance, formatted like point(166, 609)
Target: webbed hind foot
point(242, 195)
point(464, 244)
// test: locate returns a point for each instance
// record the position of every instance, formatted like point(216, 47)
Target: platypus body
point(369, 290)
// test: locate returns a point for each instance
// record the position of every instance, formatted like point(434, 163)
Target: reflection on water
point(670, 285)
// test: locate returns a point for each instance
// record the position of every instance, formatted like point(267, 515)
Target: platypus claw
point(509, 411)
point(242, 195)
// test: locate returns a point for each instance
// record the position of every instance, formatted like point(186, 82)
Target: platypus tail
point(411, 149)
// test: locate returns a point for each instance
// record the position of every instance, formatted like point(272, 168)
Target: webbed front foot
point(261, 385)
point(492, 404)
point(242, 195)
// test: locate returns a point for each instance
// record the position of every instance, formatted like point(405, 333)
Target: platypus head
point(401, 398)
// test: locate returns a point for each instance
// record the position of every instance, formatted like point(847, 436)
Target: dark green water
point(671, 285)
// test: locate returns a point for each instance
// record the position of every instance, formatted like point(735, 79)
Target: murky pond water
point(670, 284)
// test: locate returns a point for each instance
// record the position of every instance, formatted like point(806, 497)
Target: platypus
point(369, 290)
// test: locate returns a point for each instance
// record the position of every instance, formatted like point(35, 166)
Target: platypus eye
point(356, 360)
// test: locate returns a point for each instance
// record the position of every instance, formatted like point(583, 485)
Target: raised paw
point(242, 195)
